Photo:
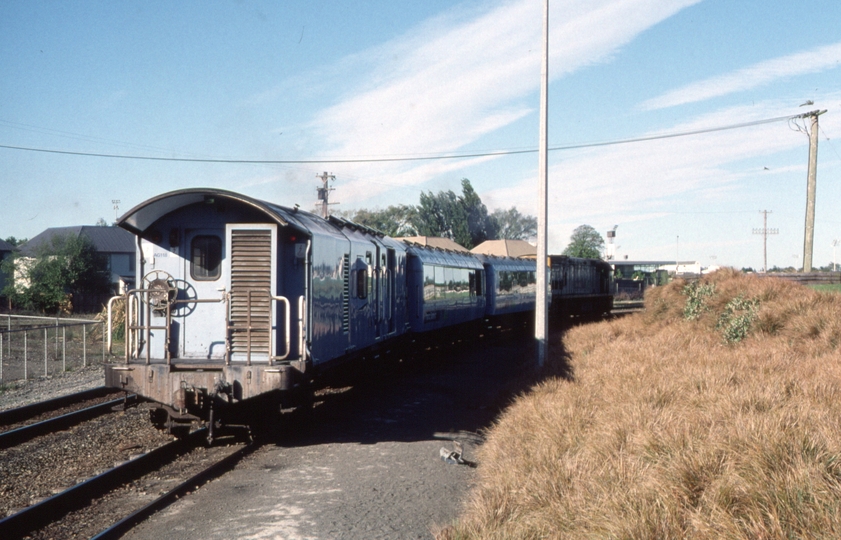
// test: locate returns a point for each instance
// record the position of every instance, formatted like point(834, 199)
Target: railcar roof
point(142, 216)
point(446, 258)
point(507, 263)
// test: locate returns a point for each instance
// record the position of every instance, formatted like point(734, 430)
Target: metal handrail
point(301, 318)
point(134, 329)
point(287, 311)
point(272, 329)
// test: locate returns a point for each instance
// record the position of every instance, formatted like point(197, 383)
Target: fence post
point(25, 366)
point(84, 345)
point(45, 352)
point(64, 349)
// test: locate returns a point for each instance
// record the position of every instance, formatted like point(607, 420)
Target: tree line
point(465, 220)
point(462, 218)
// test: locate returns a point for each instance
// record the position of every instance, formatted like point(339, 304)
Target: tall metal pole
point(765, 241)
point(541, 312)
point(811, 183)
point(765, 231)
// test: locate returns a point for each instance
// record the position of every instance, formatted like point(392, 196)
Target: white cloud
point(463, 76)
point(812, 61)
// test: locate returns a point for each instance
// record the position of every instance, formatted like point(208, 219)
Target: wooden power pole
point(811, 184)
point(324, 193)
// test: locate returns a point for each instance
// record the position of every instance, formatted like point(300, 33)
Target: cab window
point(206, 258)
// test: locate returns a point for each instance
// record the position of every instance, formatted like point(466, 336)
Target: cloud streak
point(812, 61)
point(466, 75)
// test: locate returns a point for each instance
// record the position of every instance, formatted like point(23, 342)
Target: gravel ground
point(20, 392)
point(50, 464)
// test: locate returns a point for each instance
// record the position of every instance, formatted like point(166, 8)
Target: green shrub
point(696, 302)
point(737, 319)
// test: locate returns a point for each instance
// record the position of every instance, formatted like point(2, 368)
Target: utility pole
point(541, 312)
point(324, 193)
point(834, 245)
point(116, 203)
point(677, 254)
point(811, 184)
point(765, 231)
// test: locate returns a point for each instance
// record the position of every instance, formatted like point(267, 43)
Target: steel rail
point(54, 508)
point(215, 470)
point(22, 434)
point(20, 414)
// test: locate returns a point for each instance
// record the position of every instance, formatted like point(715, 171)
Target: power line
point(395, 159)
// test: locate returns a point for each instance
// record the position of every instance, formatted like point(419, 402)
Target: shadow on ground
point(446, 391)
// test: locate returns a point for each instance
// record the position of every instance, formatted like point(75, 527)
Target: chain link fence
point(32, 347)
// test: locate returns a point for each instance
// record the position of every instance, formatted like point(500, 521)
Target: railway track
point(33, 410)
point(78, 510)
point(626, 308)
point(38, 419)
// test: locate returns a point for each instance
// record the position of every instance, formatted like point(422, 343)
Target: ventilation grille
point(346, 293)
point(251, 276)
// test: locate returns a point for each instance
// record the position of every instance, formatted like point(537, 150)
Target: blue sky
point(328, 81)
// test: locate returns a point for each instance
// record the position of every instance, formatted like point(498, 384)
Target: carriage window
point(361, 284)
point(476, 286)
point(206, 258)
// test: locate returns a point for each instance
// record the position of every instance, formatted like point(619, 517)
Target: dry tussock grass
point(668, 430)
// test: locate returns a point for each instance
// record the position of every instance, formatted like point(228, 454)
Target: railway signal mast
point(611, 247)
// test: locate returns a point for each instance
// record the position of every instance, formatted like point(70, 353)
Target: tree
point(585, 242)
point(395, 221)
point(512, 225)
point(480, 226)
point(65, 266)
point(16, 242)
point(463, 219)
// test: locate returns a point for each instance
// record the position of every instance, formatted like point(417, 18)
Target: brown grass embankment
point(716, 413)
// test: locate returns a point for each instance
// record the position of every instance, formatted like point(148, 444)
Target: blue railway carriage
point(580, 286)
point(511, 285)
point(446, 288)
point(237, 298)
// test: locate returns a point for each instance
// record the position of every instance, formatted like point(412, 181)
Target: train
point(238, 300)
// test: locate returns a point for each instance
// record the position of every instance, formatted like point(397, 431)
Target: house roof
point(106, 239)
point(506, 248)
point(5, 246)
point(433, 241)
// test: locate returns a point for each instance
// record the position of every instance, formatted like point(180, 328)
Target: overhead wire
point(404, 158)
